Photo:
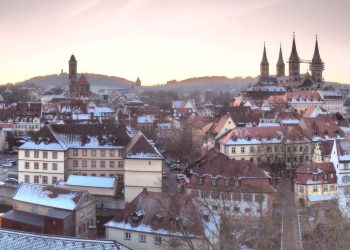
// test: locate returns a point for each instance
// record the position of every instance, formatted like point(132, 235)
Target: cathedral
point(294, 80)
point(78, 88)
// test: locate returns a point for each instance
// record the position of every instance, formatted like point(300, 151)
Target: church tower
point(264, 65)
point(73, 76)
point(316, 66)
point(294, 64)
point(138, 82)
point(280, 67)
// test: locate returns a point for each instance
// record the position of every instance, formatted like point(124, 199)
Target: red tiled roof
point(321, 126)
point(306, 172)
point(82, 80)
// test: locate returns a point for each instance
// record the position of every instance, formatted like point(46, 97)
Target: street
point(5, 171)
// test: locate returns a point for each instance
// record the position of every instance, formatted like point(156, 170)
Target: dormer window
point(226, 183)
point(200, 180)
point(315, 178)
point(325, 176)
point(214, 181)
point(237, 183)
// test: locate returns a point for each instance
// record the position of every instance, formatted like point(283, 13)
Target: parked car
point(11, 161)
point(7, 165)
point(165, 175)
point(11, 180)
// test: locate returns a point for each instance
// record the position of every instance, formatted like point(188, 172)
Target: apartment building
point(58, 151)
point(238, 187)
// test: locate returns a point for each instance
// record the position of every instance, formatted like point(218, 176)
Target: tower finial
point(293, 34)
point(316, 36)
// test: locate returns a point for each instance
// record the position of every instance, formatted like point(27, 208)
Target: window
point(84, 164)
point(300, 149)
point(26, 178)
point(127, 236)
point(315, 178)
point(81, 214)
point(44, 166)
point(111, 164)
point(102, 175)
point(120, 153)
point(233, 150)
point(325, 188)
point(237, 197)
point(259, 198)
point(36, 179)
point(247, 197)
point(44, 179)
point(120, 177)
point(237, 183)
point(247, 210)
point(36, 154)
point(200, 180)
point(332, 176)
point(276, 149)
point(251, 150)
point(142, 238)
point(157, 240)
point(103, 153)
point(111, 153)
point(315, 189)
point(84, 152)
point(213, 181)
point(54, 166)
point(27, 154)
point(45, 154)
point(111, 175)
point(54, 155)
point(102, 164)
point(75, 152)
point(331, 187)
point(226, 196)
point(93, 164)
point(26, 165)
point(75, 163)
point(301, 189)
point(120, 164)
point(242, 150)
point(54, 180)
point(325, 176)
point(36, 165)
point(93, 174)
point(226, 182)
point(93, 152)
point(236, 209)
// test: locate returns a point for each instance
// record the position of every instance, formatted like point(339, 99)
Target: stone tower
point(73, 76)
point(264, 65)
point(294, 64)
point(138, 82)
point(280, 67)
point(316, 66)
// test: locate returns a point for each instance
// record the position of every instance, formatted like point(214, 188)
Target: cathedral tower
point(316, 66)
point(264, 65)
point(73, 76)
point(280, 67)
point(294, 64)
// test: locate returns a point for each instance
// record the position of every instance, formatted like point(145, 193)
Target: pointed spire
point(294, 54)
point(316, 59)
point(264, 58)
point(280, 57)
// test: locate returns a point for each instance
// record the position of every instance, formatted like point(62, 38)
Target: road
point(4, 171)
point(170, 184)
point(291, 239)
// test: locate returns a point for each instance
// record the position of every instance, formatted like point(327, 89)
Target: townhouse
point(315, 183)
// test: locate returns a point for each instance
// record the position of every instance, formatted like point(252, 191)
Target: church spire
point(280, 67)
point(294, 54)
point(317, 66)
point(316, 58)
point(264, 65)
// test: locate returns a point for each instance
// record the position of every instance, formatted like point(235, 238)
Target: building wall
point(149, 244)
point(40, 172)
point(140, 173)
point(302, 191)
point(85, 215)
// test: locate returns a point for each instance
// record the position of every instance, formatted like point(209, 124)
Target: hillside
point(214, 83)
point(96, 81)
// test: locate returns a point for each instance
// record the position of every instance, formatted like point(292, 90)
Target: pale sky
point(160, 40)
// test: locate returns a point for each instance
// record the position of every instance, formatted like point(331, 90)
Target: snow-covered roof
point(21, 240)
point(47, 196)
point(320, 197)
point(81, 117)
point(146, 119)
point(42, 146)
point(269, 124)
point(90, 181)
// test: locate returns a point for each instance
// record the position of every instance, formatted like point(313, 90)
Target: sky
point(161, 40)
